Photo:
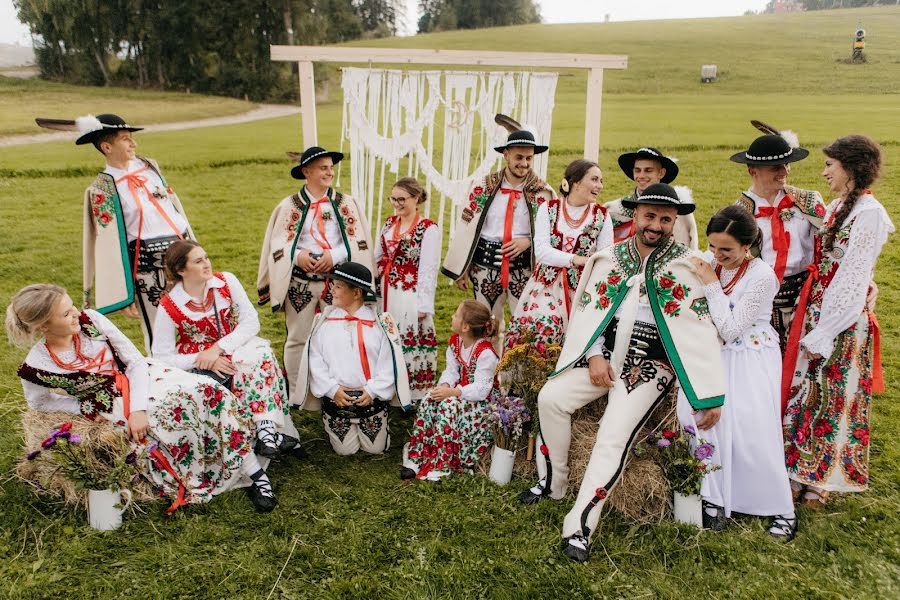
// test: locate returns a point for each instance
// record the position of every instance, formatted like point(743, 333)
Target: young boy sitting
point(353, 365)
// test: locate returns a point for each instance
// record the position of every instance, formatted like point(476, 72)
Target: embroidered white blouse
point(334, 358)
point(154, 224)
point(544, 251)
point(478, 389)
point(165, 330)
point(44, 399)
point(429, 261)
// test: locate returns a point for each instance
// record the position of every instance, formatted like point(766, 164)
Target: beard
point(642, 238)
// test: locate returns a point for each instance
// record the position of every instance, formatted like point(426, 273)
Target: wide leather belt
point(644, 343)
point(301, 274)
point(790, 290)
point(487, 254)
point(352, 412)
point(153, 251)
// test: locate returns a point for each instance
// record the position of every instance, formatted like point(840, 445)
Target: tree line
point(222, 48)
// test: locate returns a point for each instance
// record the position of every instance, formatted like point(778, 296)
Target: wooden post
point(308, 103)
point(592, 114)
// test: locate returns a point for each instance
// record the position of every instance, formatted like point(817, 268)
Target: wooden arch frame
point(305, 56)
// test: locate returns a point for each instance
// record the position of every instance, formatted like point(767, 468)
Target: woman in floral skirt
point(407, 254)
point(451, 430)
point(207, 324)
point(192, 437)
point(830, 364)
point(567, 231)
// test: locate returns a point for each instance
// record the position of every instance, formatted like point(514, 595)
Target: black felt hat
point(770, 150)
point(92, 127)
point(627, 160)
point(522, 137)
point(356, 275)
point(309, 155)
point(661, 194)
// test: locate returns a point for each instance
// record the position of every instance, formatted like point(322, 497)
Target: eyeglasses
point(400, 200)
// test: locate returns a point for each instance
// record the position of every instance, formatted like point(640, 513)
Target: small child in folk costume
point(131, 215)
point(207, 324)
point(567, 231)
point(191, 435)
point(353, 366)
point(308, 234)
point(407, 254)
point(451, 431)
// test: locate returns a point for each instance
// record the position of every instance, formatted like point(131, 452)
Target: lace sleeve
point(135, 364)
point(844, 300)
point(429, 260)
point(733, 322)
point(544, 251)
point(248, 319)
point(606, 236)
point(450, 376)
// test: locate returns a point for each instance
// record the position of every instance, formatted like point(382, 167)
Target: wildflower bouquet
point(524, 370)
point(507, 417)
point(685, 458)
point(89, 472)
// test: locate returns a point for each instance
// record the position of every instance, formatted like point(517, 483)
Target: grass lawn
point(350, 527)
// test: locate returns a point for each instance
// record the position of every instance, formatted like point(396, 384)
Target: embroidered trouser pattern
point(488, 290)
point(305, 299)
point(630, 403)
point(349, 435)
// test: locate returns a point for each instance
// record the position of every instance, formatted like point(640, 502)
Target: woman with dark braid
point(831, 366)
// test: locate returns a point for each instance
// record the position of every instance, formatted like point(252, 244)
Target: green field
point(349, 527)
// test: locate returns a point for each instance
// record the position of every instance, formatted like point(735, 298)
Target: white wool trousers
point(303, 300)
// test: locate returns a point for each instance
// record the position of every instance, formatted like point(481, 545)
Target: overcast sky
point(553, 11)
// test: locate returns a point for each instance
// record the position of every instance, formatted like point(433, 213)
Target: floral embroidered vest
point(400, 267)
point(467, 370)
point(95, 392)
point(583, 243)
point(196, 336)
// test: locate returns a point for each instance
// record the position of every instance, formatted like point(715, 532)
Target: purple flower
point(49, 442)
point(136, 479)
point(663, 443)
point(690, 429)
point(62, 434)
point(74, 439)
point(33, 454)
point(131, 458)
point(152, 447)
point(703, 451)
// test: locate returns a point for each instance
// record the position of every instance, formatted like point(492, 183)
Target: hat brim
point(297, 171)
point(367, 290)
point(627, 160)
point(683, 208)
point(90, 136)
point(538, 148)
point(796, 155)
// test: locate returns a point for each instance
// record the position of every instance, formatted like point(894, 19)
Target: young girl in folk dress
point(451, 431)
point(407, 254)
point(207, 323)
point(567, 231)
point(193, 437)
point(747, 439)
point(831, 363)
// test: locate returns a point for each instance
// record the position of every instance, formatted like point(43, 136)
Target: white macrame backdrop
point(391, 114)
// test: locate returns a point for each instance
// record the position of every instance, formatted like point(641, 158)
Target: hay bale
point(642, 492)
point(101, 442)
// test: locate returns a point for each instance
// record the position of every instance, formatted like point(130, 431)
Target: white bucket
point(501, 465)
point(689, 509)
point(103, 514)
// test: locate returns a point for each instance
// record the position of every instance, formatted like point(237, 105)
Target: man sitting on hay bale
point(641, 322)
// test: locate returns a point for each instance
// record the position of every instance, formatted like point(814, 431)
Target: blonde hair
point(31, 307)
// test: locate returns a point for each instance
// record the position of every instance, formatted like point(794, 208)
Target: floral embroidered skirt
point(449, 435)
point(417, 339)
point(258, 384)
point(542, 309)
point(826, 426)
point(200, 431)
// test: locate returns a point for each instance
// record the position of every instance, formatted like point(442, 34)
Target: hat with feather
point(774, 148)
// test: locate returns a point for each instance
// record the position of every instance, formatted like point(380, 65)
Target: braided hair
point(860, 157)
point(479, 318)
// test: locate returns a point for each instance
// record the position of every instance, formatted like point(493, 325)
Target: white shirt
point(332, 232)
point(334, 358)
point(165, 330)
point(802, 232)
point(43, 399)
point(479, 387)
point(154, 224)
point(494, 221)
point(544, 251)
point(428, 262)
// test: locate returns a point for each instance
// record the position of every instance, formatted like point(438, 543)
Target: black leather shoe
point(714, 522)
point(286, 443)
point(535, 494)
point(407, 473)
point(577, 548)
point(783, 528)
point(298, 452)
point(261, 501)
